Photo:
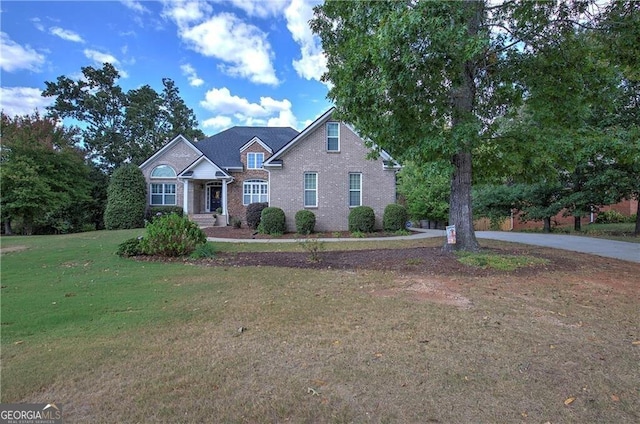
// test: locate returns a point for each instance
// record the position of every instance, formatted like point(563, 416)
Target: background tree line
point(54, 177)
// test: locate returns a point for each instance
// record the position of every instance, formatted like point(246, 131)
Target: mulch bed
point(425, 260)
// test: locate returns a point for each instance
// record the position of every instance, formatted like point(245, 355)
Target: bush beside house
point(126, 199)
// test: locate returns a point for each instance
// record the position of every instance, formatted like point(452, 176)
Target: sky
point(235, 62)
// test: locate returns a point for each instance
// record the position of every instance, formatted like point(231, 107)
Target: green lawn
point(117, 340)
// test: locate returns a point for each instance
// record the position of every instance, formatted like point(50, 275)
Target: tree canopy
point(44, 181)
point(119, 127)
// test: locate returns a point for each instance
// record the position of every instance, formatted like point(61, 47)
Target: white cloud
point(218, 123)
point(186, 12)
point(242, 48)
point(259, 8)
point(190, 73)
point(100, 59)
point(313, 62)
point(15, 57)
point(134, 5)
point(20, 101)
point(66, 34)
point(269, 111)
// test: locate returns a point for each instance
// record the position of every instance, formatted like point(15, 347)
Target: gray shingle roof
point(224, 148)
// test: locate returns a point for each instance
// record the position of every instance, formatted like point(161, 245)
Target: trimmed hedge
point(305, 221)
point(254, 213)
point(172, 235)
point(362, 219)
point(126, 199)
point(272, 221)
point(395, 217)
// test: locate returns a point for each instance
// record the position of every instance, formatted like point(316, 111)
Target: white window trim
point(255, 160)
point(305, 189)
point(259, 184)
point(326, 146)
point(359, 190)
point(164, 194)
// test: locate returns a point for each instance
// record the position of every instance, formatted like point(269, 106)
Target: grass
point(115, 340)
point(498, 261)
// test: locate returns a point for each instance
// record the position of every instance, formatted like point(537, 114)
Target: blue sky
point(235, 62)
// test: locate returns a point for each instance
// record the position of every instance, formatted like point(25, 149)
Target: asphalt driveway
point(596, 246)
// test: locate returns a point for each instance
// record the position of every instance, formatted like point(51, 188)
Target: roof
point(224, 147)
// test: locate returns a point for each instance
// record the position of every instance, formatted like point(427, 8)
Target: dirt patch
point(10, 249)
point(426, 289)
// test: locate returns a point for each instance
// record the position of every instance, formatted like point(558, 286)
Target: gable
point(313, 140)
point(203, 169)
point(177, 150)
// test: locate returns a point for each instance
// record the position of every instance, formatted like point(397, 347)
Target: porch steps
point(203, 219)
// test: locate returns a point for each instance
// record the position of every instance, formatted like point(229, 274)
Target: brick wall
point(235, 189)
point(310, 155)
point(178, 156)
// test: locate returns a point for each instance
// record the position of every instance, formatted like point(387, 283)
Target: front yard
point(409, 335)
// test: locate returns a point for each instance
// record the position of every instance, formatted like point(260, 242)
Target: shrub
point(610, 217)
point(172, 235)
point(362, 219)
point(236, 222)
point(272, 221)
point(305, 221)
point(156, 211)
point(395, 217)
point(313, 247)
point(126, 199)
point(254, 212)
point(203, 251)
point(131, 247)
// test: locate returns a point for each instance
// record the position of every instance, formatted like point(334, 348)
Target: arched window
point(254, 191)
point(163, 171)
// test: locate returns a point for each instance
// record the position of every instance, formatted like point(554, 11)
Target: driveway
point(608, 248)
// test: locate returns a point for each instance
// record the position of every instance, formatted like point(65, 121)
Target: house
point(324, 169)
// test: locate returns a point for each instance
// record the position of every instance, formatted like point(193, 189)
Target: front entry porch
point(206, 202)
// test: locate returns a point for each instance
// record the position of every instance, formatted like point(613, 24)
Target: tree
point(120, 127)
point(43, 178)
point(425, 188)
point(126, 199)
point(619, 36)
point(429, 79)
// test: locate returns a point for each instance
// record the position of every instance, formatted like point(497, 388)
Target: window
point(310, 189)
point(355, 189)
point(333, 137)
point(254, 160)
point(254, 191)
point(163, 194)
point(163, 171)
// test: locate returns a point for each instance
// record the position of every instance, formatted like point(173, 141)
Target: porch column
point(185, 196)
point(225, 211)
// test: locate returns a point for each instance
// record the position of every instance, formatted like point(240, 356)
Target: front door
point(214, 197)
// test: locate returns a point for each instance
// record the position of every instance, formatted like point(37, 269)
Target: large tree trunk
point(577, 223)
point(460, 209)
point(463, 103)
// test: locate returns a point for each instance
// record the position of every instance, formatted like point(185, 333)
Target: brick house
point(324, 169)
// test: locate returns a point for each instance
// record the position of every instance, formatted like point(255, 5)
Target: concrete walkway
point(625, 251)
